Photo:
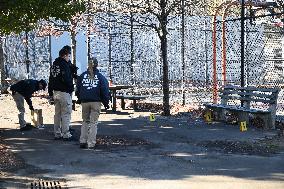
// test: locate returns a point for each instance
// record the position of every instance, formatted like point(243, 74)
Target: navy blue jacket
point(26, 88)
point(93, 90)
point(60, 78)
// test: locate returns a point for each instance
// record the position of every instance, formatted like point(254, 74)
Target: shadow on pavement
point(138, 148)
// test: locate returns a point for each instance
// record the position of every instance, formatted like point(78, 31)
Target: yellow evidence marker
point(243, 126)
point(152, 117)
point(208, 116)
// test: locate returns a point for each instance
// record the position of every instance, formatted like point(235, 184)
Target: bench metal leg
point(217, 113)
point(273, 118)
point(122, 104)
point(114, 100)
point(243, 116)
point(134, 105)
point(222, 116)
point(267, 120)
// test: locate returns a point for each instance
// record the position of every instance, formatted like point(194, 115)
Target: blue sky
point(81, 55)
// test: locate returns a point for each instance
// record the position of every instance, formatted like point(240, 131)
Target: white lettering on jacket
point(55, 71)
point(90, 83)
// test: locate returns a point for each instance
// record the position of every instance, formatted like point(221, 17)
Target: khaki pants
point(20, 103)
point(62, 117)
point(90, 115)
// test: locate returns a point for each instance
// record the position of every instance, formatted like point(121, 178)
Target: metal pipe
point(183, 52)
point(224, 52)
point(109, 43)
point(242, 44)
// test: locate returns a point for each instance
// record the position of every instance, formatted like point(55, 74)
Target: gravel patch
point(260, 147)
point(8, 160)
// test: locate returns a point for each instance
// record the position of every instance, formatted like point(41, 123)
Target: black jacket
point(26, 88)
point(73, 70)
point(60, 78)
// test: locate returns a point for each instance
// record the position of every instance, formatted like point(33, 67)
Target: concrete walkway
point(164, 154)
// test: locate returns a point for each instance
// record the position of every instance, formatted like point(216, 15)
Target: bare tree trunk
point(164, 48)
point(49, 50)
point(183, 51)
point(27, 54)
point(166, 98)
point(131, 49)
point(73, 46)
point(2, 66)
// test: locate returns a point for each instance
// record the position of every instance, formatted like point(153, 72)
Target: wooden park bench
point(232, 96)
point(134, 98)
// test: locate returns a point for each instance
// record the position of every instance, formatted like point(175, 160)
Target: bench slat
point(249, 99)
point(236, 108)
point(130, 97)
point(250, 88)
point(270, 96)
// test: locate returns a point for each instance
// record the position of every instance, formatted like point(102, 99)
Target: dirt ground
point(179, 152)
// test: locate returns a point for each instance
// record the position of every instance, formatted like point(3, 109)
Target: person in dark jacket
point(92, 90)
point(60, 88)
point(23, 90)
point(73, 68)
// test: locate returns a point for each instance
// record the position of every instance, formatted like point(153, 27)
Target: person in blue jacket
point(60, 88)
point(23, 90)
point(92, 91)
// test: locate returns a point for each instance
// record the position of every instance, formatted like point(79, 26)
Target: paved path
point(169, 156)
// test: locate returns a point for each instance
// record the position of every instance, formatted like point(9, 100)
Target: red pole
point(224, 48)
point(215, 87)
point(215, 81)
point(224, 52)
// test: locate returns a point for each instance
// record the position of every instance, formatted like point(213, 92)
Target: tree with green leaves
point(22, 15)
point(18, 16)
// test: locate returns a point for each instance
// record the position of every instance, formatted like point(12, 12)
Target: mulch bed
point(8, 160)
point(264, 147)
point(116, 141)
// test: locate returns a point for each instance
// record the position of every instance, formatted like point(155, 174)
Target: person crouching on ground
point(92, 90)
point(60, 88)
point(24, 90)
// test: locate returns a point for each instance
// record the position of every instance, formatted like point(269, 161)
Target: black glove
point(74, 69)
point(78, 102)
point(106, 106)
point(51, 100)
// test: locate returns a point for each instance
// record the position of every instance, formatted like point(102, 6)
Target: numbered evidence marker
point(152, 117)
point(243, 126)
point(208, 116)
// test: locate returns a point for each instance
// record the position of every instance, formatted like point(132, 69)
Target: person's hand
point(106, 106)
point(73, 68)
point(78, 101)
point(51, 100)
